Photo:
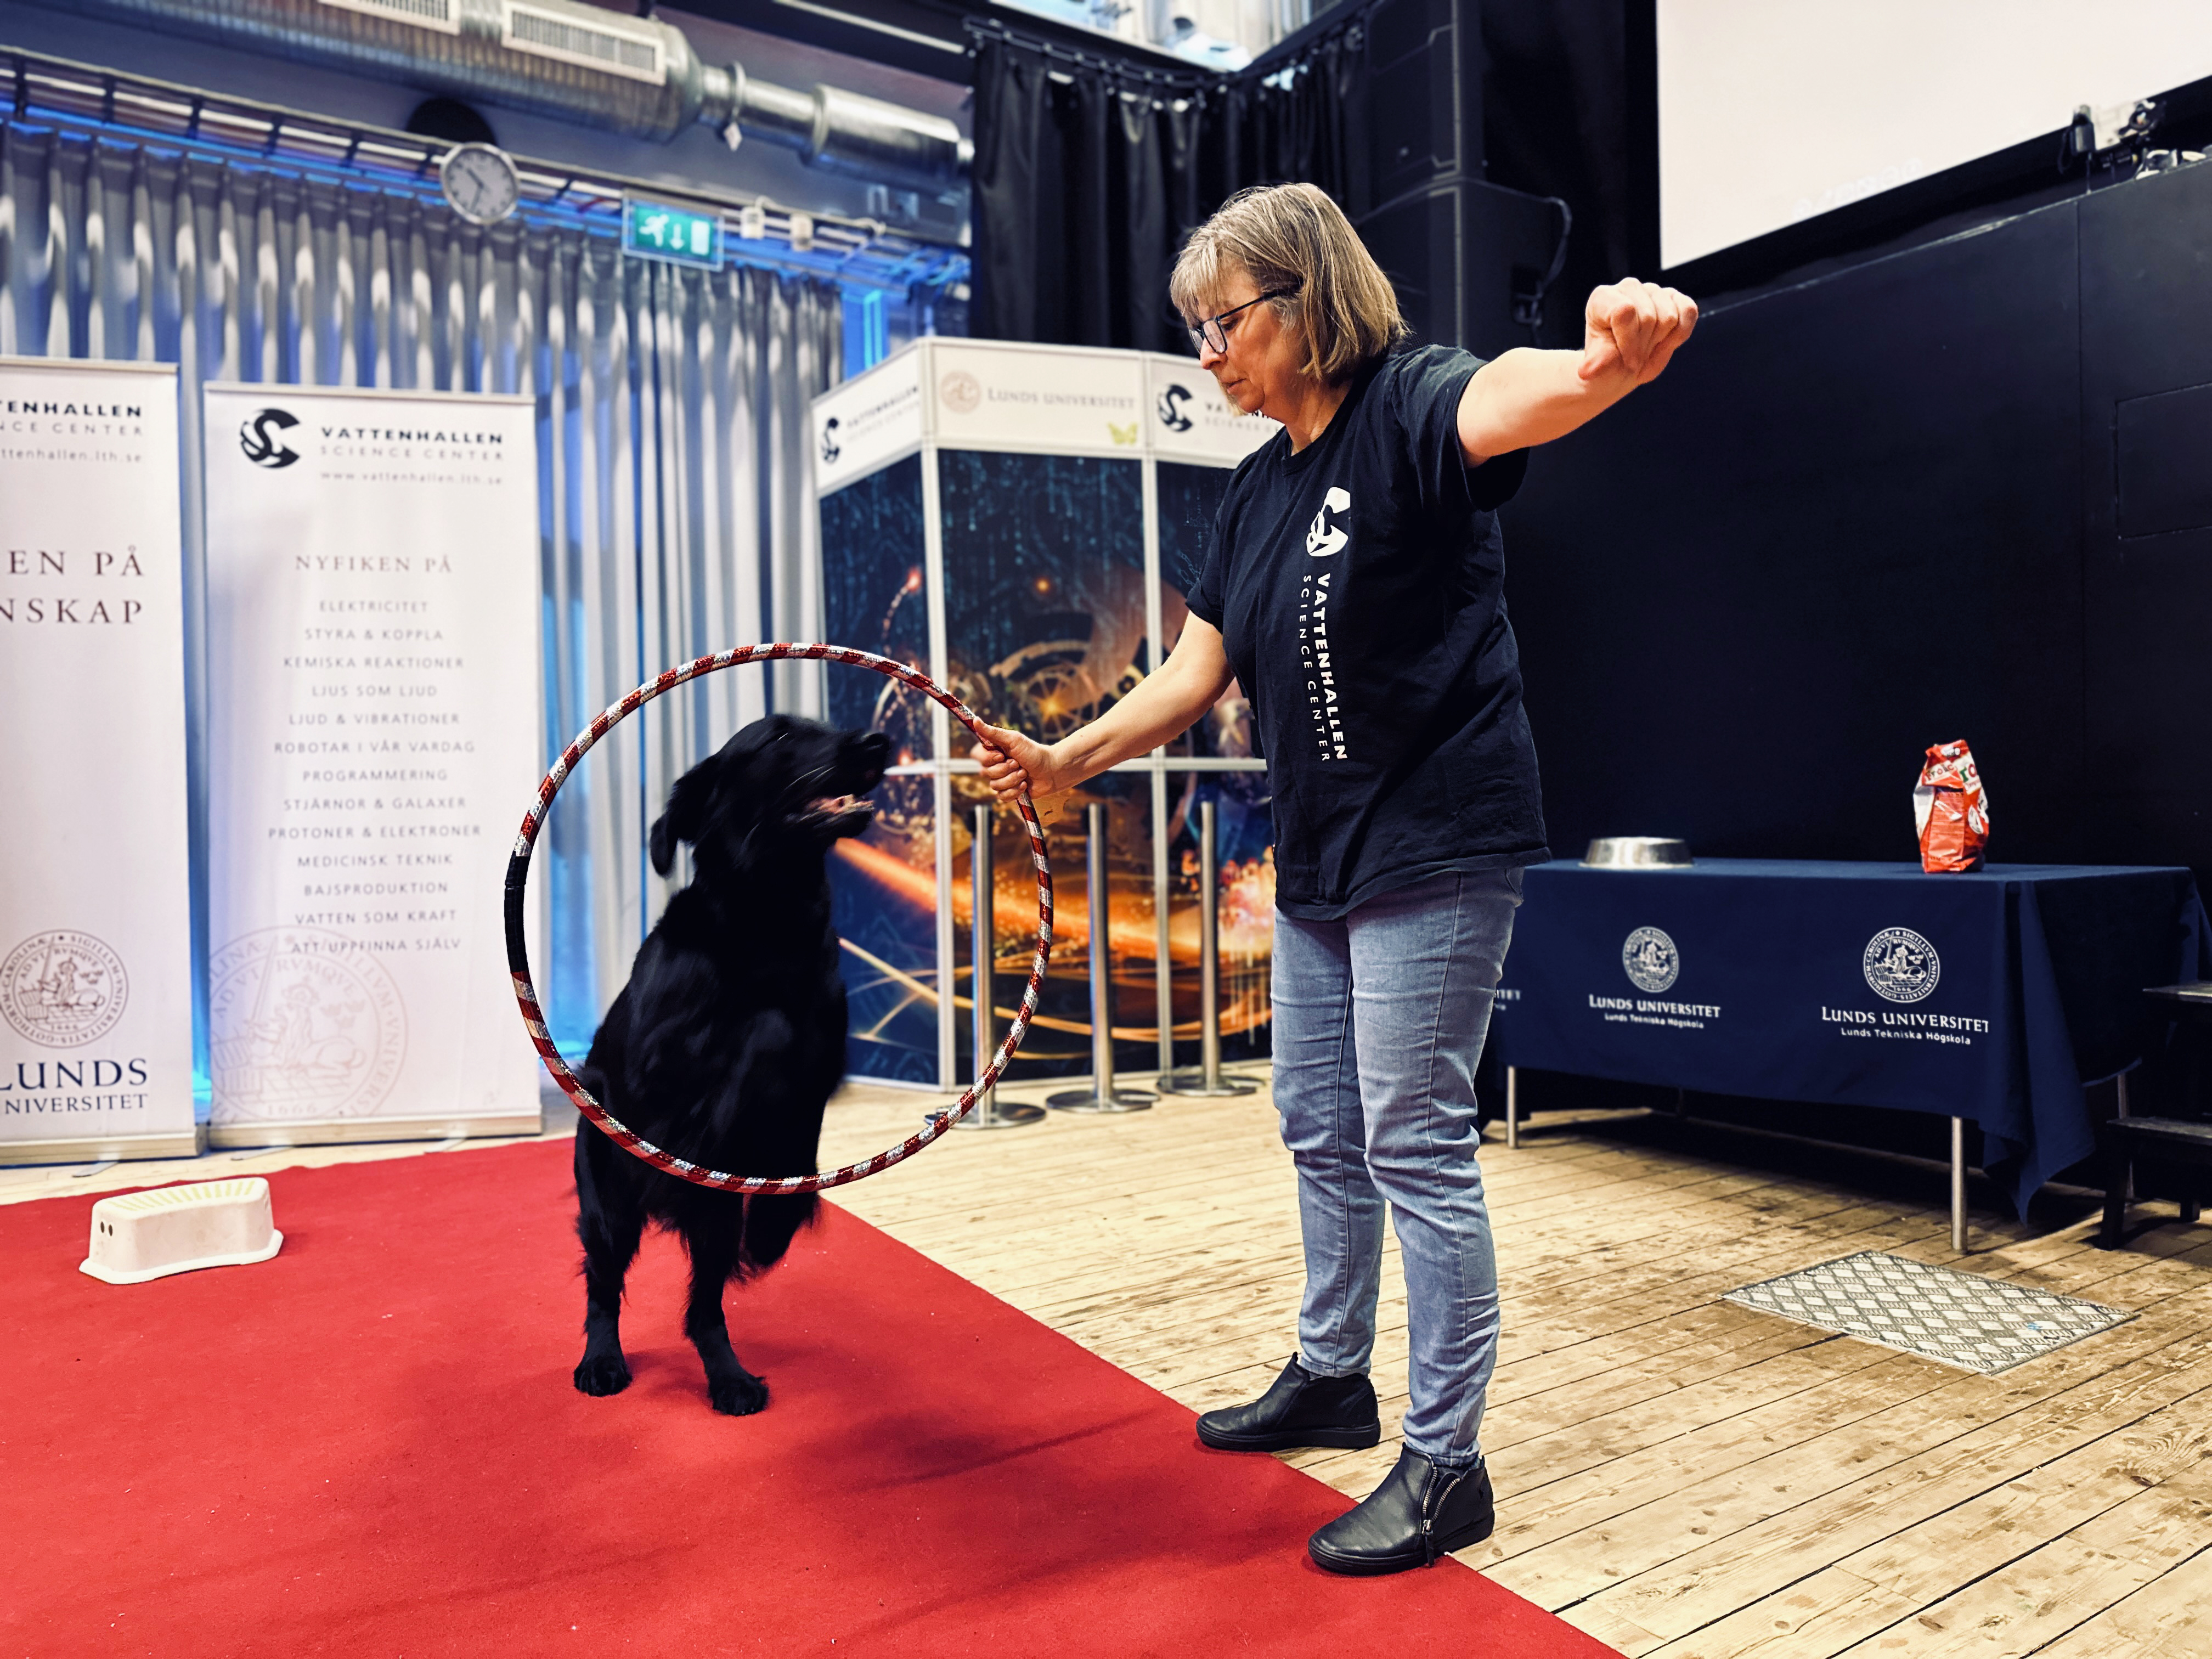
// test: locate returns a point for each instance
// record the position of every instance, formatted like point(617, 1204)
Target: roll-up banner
point(95, 897)
point(373, 699)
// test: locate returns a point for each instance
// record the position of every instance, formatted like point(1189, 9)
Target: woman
point(1354, 589)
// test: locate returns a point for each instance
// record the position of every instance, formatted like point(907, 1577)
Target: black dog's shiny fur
point(730, 1037)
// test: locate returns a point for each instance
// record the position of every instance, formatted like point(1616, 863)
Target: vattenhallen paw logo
point(1650, 960)
point(261, 439)
point(1901, 966)
point(64, 988)
point(831, 451)
point(1170, 409)
point(1323, 539)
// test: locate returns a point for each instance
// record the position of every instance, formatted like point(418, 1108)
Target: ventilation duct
point(635, 75)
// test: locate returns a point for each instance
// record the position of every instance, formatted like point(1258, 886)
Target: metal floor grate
point(1960, 1319)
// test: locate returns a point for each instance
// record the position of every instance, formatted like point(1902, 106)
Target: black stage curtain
point(1088, 174)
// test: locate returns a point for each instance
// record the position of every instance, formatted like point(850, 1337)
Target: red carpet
point(370, 1445)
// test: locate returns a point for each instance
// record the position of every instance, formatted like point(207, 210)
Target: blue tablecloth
point(1994, 996)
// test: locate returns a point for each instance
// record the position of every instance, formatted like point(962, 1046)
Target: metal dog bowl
point(1636, 853)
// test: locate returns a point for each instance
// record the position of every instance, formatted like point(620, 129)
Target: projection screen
point(1774, 111)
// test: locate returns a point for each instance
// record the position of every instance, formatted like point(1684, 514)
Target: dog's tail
point(772, 1221)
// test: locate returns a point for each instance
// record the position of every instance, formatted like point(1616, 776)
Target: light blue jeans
point(1379, 1020)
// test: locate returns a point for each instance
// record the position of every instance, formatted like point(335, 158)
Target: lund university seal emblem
point(1650, 960)
point(961, 392)
point(307, 1025)
point(1900, 966)
point(64, 988)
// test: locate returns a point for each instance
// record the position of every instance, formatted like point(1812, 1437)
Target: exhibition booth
point(513, 515)
point(1023, 523)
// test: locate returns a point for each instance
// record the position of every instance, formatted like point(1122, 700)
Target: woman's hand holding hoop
point(1163, 706)
point(1013, 764)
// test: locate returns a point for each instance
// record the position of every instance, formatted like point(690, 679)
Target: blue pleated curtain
point(675, 511)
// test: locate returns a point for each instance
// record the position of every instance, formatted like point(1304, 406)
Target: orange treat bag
point(1952, 811)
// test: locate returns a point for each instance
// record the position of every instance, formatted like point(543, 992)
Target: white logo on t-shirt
point(1322, 538)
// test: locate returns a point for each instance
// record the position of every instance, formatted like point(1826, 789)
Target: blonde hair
point(1293, 236)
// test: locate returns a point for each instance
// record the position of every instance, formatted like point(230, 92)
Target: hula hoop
point(525, 991)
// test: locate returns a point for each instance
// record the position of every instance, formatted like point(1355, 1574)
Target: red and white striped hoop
point(525, 993)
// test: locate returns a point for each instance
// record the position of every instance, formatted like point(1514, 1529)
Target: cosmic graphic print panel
point(1045, 630)
point(1059, 1041)
point(1189, 497)
point(874, 597)
point(1044, 600)
point(1245, 901)
point(1044, 585)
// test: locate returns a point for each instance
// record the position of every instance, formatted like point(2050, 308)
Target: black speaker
point(1424, 63)
point(1462, 254)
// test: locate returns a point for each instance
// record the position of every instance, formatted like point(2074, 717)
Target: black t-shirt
point(1360, 588)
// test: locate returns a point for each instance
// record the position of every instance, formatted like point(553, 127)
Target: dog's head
point(783, 785)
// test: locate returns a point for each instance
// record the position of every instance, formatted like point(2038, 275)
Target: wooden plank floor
point(1677, 1476)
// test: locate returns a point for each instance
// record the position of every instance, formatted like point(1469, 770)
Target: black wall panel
point(1964, 491)
point(2147, 331)
point(1846, 524)
point(2160, 443)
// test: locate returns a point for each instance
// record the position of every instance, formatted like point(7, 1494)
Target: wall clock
point(480, 182)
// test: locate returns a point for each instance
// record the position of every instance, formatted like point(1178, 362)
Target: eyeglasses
point(1210, 330)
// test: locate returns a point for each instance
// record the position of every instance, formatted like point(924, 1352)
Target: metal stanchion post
point(1207, 1078)
point(1959, 1185)
point(991, 1112)
point(1101, 1095)
point(1512, 1107)
point(2120, 1110)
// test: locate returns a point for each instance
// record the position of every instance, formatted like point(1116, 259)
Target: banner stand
point(374, 704)
point(95, 1149)
point(95, 877)
point(338, 1133)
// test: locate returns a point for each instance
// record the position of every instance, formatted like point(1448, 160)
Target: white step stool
point(173, 1230)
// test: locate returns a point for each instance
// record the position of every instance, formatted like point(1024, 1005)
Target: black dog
point(730, 1037)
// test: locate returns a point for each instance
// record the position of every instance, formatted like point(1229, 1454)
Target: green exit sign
point(657, 230)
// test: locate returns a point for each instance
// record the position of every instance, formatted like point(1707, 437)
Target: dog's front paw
point(740, 1396)
point(602, 1374)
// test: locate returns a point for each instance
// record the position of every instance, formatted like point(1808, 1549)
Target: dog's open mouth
point(846, 814)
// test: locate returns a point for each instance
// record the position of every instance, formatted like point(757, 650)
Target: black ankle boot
point(1300, 1409)
point(1418, 1513)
